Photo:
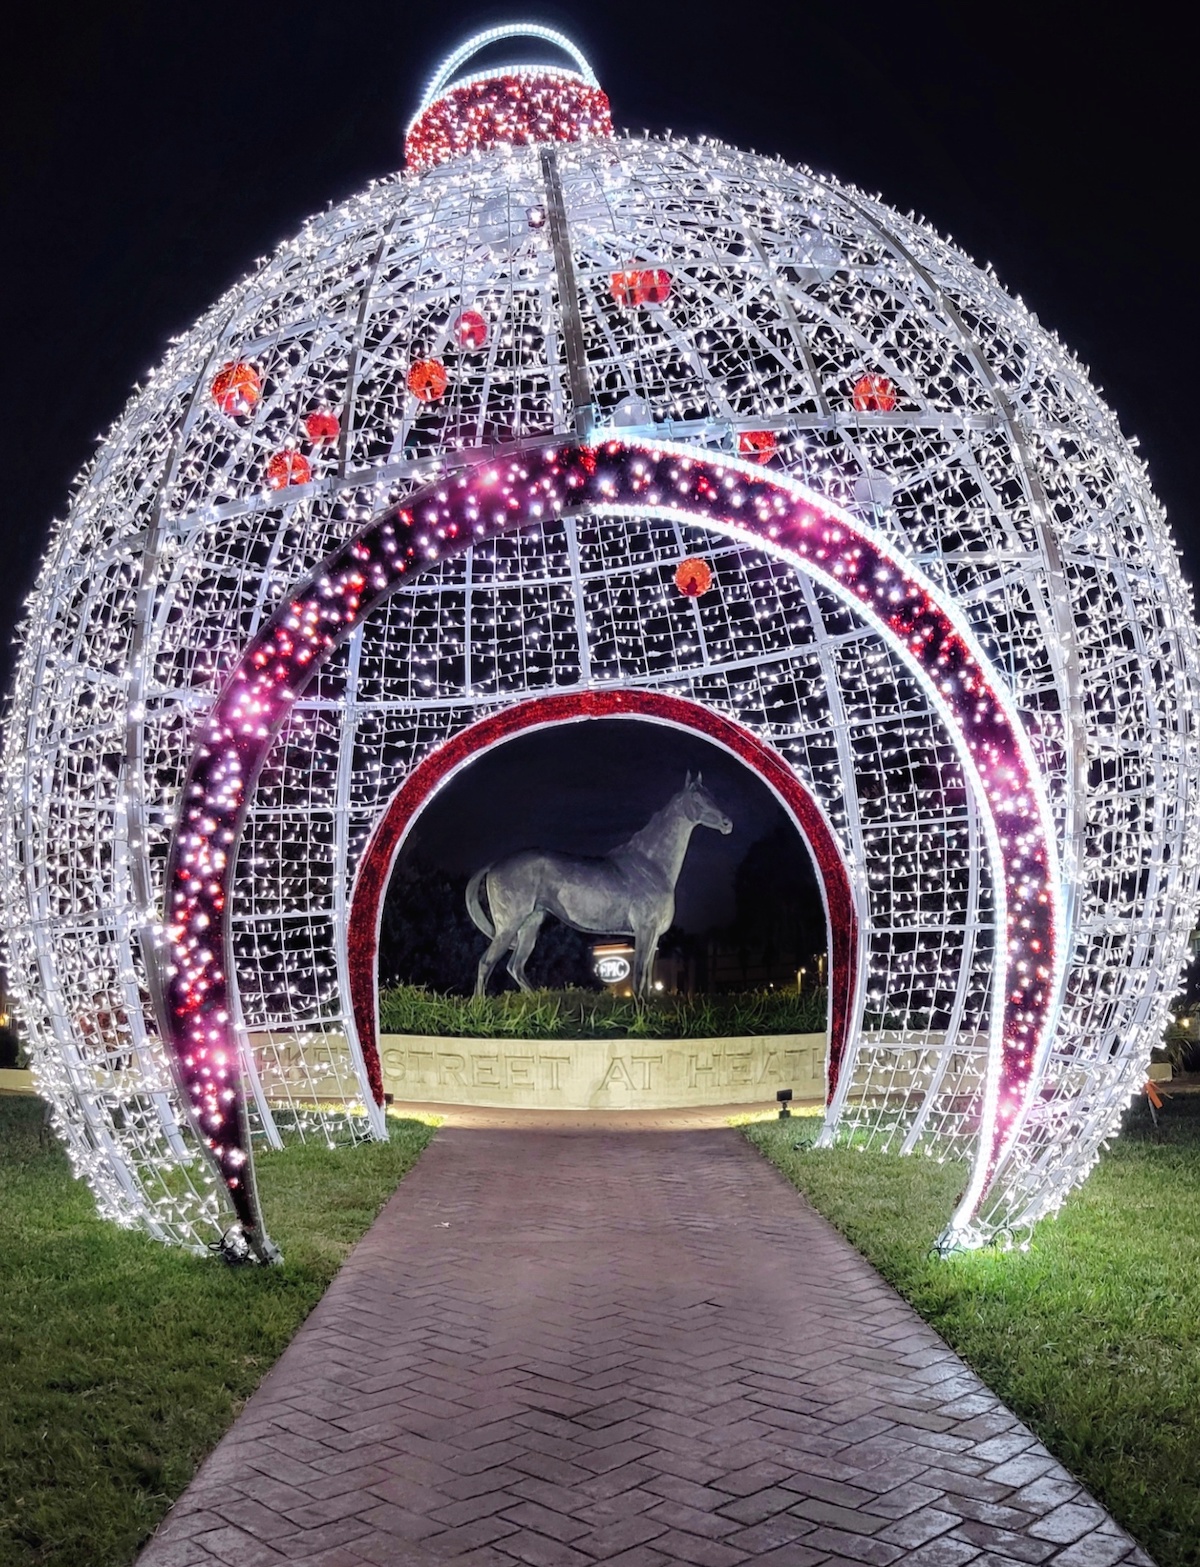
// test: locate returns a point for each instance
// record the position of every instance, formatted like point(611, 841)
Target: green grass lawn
point(121, 1361)
point(1092, 1336)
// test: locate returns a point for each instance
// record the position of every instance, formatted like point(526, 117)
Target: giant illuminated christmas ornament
point(559, 425)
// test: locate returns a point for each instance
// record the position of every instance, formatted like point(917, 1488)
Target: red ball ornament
point(641, 286)
point(427, 379)
point(470, 329)
point(236, 388)
point(874, 394)
point(759, 444)
point(322, 426)
point(288, 467)
point(693, 576)
point(624, 287)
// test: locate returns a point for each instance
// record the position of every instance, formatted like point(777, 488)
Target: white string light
point(723, 301)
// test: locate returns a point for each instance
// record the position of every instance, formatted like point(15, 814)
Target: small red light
point(693, 576)
point(470, 329)
point(236, 388)
point(644, 286)
point(286, 468)
point(759, 444)
point(427, 379)
point(874, 394)
point(322, 425)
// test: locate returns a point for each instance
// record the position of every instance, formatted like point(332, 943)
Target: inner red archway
point(375, 867)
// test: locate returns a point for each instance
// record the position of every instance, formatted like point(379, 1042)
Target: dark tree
point(780, 918)
point(778, 924)
point(10, 1048)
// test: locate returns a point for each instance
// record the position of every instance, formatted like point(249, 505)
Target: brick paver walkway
point(560, 1348)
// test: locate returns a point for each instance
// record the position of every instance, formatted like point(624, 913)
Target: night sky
point(152, 152)
point(585, 788)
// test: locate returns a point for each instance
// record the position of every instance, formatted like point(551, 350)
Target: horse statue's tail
point(475, 907)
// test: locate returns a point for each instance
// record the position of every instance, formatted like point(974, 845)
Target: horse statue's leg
point(505, 938)
point(645, 950)
point(523, 947)
point(496, 949)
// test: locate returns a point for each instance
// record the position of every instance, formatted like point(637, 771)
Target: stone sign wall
point(303, 1068)
point(602, 1074)
point(582, 1074)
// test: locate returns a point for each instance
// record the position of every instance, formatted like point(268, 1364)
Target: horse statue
point(630, 892)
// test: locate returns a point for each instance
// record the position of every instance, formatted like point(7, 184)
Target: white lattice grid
point(999, 472)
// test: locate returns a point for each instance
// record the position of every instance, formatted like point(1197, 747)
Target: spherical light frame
point(991, 482)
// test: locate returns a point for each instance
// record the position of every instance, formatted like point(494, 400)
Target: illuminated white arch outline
point(622, 477)
point(443, 77)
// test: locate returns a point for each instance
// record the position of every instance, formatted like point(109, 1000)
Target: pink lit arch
point(625, 478)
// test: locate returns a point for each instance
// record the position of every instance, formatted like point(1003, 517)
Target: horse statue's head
point(701, 808)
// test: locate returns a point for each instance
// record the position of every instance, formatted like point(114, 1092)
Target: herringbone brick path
point(555, 1349)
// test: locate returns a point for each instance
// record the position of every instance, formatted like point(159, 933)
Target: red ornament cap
point(874, 394)
point(427, 379)
point(322, 425)
point(236, 388)
point(693, 576)
point(759, 444)
point(515, 106)
point(288, 467)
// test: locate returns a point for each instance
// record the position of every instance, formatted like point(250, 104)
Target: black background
point(582, 789)
point(606, 778)
point(151, 152)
